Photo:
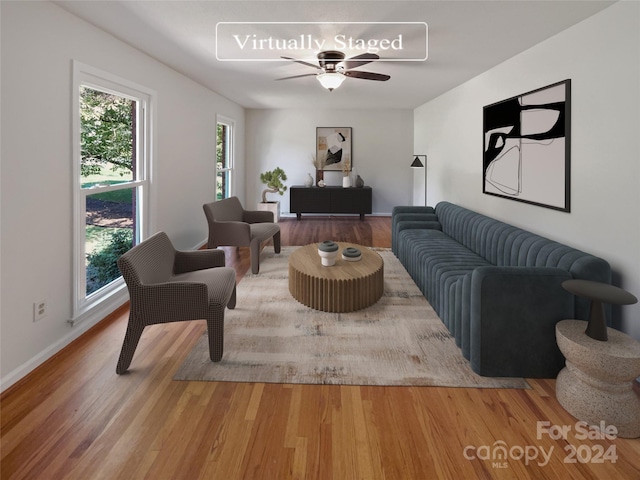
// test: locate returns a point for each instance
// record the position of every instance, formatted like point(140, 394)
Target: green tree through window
point(112, 200)
point(224, 158)
point(108, 153)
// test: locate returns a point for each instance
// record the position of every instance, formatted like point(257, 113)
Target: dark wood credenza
point(332, 199)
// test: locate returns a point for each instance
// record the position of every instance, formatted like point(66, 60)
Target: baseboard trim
point(77, 329)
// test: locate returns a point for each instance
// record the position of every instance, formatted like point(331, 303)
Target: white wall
point(601, 56)
point(382, 151)
point(39, 41)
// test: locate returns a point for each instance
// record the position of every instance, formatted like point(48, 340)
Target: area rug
point(272, 338)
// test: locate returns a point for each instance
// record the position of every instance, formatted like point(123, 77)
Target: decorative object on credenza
point(599, 294)
point(346, 178)
point(333, 147)
point(321, 184)
point(273, 180)
point(351, 254)
point(418, 164)
point(318, 163)
point(308, 182)
point(328, 251)
point(359, 182)
point(527, 147)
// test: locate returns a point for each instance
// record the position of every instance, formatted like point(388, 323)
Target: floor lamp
point(418, 164)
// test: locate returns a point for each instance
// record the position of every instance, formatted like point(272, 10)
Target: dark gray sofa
point(496, 287)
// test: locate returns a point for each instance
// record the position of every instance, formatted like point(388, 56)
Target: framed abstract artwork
point(333, 145)
point(527, 147)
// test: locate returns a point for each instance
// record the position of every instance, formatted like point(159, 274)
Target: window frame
point(231, 124)
point(113, 294)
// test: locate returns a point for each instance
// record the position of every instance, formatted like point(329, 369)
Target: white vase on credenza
point(309, 180)
point(346, 181)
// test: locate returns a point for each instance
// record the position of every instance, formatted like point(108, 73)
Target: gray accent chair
point(231, 225)
point(167, 285)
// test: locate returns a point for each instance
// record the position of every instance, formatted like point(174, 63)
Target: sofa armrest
point(412, 217)
point(189, 261)
point(422, 224)
point(408, 217)
point(411, 209)
point(513, 315)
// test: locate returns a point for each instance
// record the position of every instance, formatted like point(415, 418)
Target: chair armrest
point(189, 261)
point(257, 216)
point(232, 233)
point(164, 302)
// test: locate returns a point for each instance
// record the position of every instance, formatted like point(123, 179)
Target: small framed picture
point(333, 148)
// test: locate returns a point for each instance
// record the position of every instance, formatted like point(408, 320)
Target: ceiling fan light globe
point(330, 80)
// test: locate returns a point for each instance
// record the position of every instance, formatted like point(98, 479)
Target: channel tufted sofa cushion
point(495, 286)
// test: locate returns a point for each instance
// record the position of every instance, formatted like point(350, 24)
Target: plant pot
point(271, 207)
point(346, 181)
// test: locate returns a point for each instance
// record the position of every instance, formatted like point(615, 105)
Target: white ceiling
point(466, 38)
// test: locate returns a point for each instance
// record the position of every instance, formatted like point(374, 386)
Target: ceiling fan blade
point(360, 60)
point(302, 62)
point(298, 76)
point(367, 75)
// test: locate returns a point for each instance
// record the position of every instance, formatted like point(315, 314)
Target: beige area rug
point(272, 338)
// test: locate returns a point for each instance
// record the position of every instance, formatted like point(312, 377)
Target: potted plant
point(319, 163)
point(346, 173)
point(273, 180)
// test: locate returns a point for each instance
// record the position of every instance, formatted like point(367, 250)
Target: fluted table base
point(343, 287)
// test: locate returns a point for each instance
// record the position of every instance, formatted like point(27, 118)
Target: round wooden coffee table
point(343, 287)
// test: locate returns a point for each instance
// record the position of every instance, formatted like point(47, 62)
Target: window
point(111, 177)
point(224, 157)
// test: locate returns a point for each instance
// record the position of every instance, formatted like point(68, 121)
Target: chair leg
point(231, 304)
point(276, 242)
point(255, 257)
point(215, 332)
point(131, 339)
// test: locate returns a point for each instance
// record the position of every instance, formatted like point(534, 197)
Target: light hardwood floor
point(75, 418)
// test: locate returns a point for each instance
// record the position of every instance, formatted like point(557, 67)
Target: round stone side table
point(599, 293)
point(597, 382)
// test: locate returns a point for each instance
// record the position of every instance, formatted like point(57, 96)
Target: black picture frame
point(527, 147)
point(333, 144)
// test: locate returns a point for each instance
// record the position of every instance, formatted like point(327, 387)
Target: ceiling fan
point(333, 68)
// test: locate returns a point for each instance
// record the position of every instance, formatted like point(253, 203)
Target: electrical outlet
point(39, 310)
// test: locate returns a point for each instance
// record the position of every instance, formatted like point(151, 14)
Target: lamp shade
point(417, 163)
point(330, 80)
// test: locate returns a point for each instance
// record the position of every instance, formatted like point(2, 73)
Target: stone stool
point(597, 383)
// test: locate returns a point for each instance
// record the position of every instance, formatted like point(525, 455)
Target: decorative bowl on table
point(351, 254)
point(328, 251)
